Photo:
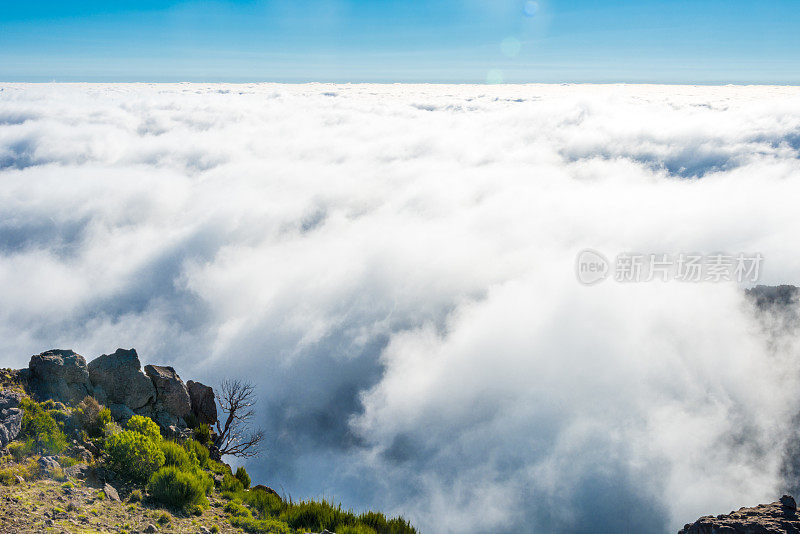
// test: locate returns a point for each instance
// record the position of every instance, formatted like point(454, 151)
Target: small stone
point(151, 528)
point(204, 530)
point(110, 492)
point(48, 463)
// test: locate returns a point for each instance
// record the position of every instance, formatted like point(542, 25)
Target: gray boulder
point(60, 375)
point(9, 398)
point(10, 425)
point(110, 492)
point(117, 379)
point(166, 420)
point(120, 413)
point(49, 463)
point(204, 405)
point(10, 415)
point(172, 396)
point(78, 471)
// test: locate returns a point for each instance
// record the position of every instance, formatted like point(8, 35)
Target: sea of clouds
point(394, 266)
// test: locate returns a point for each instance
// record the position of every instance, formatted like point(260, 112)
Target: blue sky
point(669, 41)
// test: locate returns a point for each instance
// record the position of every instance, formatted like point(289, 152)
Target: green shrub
point(202, 433)
point(374, 520)
point(218, 468)
point(199, 451)
point(236, 509)
point(231, 483)
point(242, 476)
point(91, 416)
point(39, 427)
point(214, 529)
point(265, 504)
point(134, 455)
point(191, 421)
point(316, 516)
point(164, 518)
point(398, 525)
point(261, 526)
point(145, 426)
point(171, 486)
point(58, 474)
point(176, 455)
point(20, 449)
point(356, 529)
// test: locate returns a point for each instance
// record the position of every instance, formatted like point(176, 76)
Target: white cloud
point(394, 265)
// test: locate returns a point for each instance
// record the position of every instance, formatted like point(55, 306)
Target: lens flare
point(494, 76)
point(511, 47)
point(531, 8)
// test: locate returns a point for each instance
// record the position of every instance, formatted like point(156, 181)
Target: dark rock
point(80, 471)
point(121, 413)
point(204, 405)
point(60, 375)
point(214, 454)
point(82, 453)
point(91, 447)
point(10, 425)
point(172, 396)
point(778, 517)
point(9, 398)
point(118, 379)
point(110, 492)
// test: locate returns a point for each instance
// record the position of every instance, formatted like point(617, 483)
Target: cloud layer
point(394, 266)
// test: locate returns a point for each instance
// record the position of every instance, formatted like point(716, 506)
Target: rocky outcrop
point(778, 517)
point(204, 405)
point(115, 380)
point(60, 375)
point(118, 379)
point(172, 397)
point(10, 416)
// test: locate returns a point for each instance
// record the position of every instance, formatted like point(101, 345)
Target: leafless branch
point(235, 436)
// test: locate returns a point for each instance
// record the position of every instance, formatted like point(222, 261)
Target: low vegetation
point(172, 482)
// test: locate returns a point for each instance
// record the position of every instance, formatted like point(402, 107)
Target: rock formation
point(60, 375)
point(204, 404)
point(10, 416)
point(172, 398)
point(118, 380)
point(778, 517)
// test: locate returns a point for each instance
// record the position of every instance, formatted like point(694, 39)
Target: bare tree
point(236, 436)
